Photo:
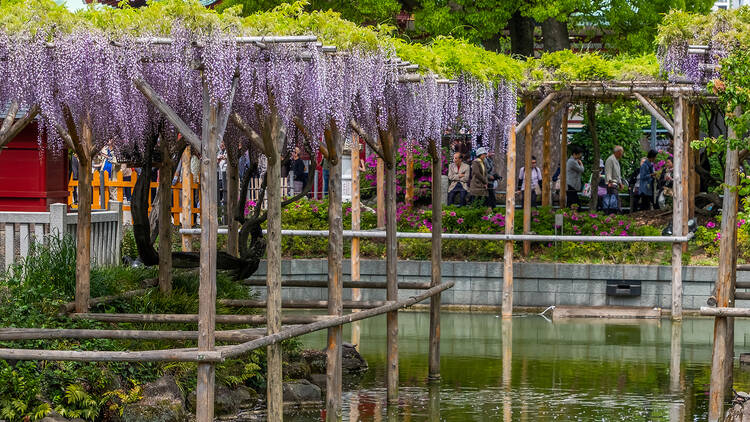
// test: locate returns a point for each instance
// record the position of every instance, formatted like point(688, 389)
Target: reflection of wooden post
point(676, 408)
point(437, 259)
point(186, 210)
point(434, 400)
point(335, 283)
point(546, 163)
point(379, 181)
point(564, 159)
point(678, 203)
point(391, 258)
point(409, 196)
point(507, 340)
point(527, 180)
point(356, 293)
point(510, 214)
point(722, 359)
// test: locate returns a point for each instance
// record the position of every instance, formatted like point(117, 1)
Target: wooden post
point(722, 359)
point(207, 287)
point(510, 214)
point(380, 191)
point(564, 159)
point(437, 260)
point(165, 217)
point(83, 229)
point(186, 210)
point(335, 286)
point(409, 196)
point(595, 170)
point(527, 180)
point(685, 169)
point(693, 187)
point(273, 279)
point(391, 258)
point(356, 292)
point(696, 134)
point(546, 163)
point(677, 207)
point(233, 191)
point(676, 409)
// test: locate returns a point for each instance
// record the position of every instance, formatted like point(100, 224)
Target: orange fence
point(115, 190)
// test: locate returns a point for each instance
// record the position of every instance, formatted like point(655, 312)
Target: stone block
point(573, 299)
point(372, 266)
point(446, 269)
point(572, 271)
point(446, 297)
point(462, 297)
point(425, 268)
point(491, 284)
point(701, 274)
point(495, 269)
point(525, 285)
point(483, 297)
point(697, 289)
point(537, 270)
point(557, 286)
point(605, 272)
point(598, 299)
point(470, 269)
point(623, 301)
point(665, 301)
point(533, 298)
point(346, 266)
point(656, 288)
point(408, 268)
point(741, 276)
point(640, 272)
point(588, 286)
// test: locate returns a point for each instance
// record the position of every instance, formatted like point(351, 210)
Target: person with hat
point(478, 182)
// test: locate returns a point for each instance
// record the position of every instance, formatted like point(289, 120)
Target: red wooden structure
point(31, 176)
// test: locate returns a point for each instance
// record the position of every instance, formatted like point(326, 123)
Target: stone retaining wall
point(535, 284)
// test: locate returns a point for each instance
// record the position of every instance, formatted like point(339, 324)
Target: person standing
point(573, 172)
point(646, 182)
point(458, 178)
point(491, 178)
point(478, 182)
point(74, 167)
point(298, 167)
point(536, 181)
point(614, 180)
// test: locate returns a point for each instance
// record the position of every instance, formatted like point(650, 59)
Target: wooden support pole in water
point(546, 163)
point(529, 142)
point(186, 199)
point(437, 260)
point(334, 143)
point(724, 289)
point(678, 203)
point(564, 159)
point(356, 293)
point(388, 140)
point(510, 214)
point(165, 217)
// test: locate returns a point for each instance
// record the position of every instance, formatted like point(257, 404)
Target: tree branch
point(251, 134)
point(367, 138)
point(153, 97)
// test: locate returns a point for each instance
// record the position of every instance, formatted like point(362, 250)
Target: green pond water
point(531, 369)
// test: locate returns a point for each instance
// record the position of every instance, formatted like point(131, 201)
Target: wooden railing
point(106, 189)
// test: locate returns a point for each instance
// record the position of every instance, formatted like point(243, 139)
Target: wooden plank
point(546, 164)
point(70, 306)
point(510, 215)
point(12, 334)
point(722, 312)
point(531, 112)
point(436, 260)
point(174, 355)
point(194, 318)
point(722, 358)
point(186, 195)
point(411, 285)
point(165, 217)
point(605, 312)
point(564, 159)
point(354, 305)
point(380, 192)
point(528, 145)
point(10, 250)
point(678, 203)
point(335, 277)
point(654, 111)
point(356, 218)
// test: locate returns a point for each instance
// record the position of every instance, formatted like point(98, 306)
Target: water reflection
point(527, 369)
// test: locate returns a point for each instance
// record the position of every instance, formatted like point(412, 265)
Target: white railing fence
point(20, 229)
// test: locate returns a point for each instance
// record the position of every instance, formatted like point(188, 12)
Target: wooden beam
point(654, 110)
point(301, 304)
point(154, 98)
point(251, 134)
point(174, 355)
point(13, 334)
point(356, 217)
point(727, 244)
point(531, 113)
point(186, 199)
point(528, 145)
point(377, 149)
point(387, 139)
point(510, 214)
point(436, 259)
point(546, 164)
point(410, 285)
point(564, 160)
point(194, 318)
point(70, 306)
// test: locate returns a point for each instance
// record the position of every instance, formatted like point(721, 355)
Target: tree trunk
point(139, 210)
point(83, 233)
point(232, 199)
point(555, 35)
point(165, 215)
point(521, 35)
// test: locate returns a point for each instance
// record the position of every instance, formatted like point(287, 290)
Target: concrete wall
point(535, 284)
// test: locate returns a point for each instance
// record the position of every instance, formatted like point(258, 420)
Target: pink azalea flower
point(623, 233)
point(485, 217)
point(595, 227)
point(710, 224)
point(453, 214)
point(593, 215)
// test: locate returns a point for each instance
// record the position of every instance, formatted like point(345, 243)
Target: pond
point(531, 369)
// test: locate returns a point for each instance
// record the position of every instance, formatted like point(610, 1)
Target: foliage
point(566, 66)
point(19, 390)
point(616, 124)
point(361, 12)
point(422, 175)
